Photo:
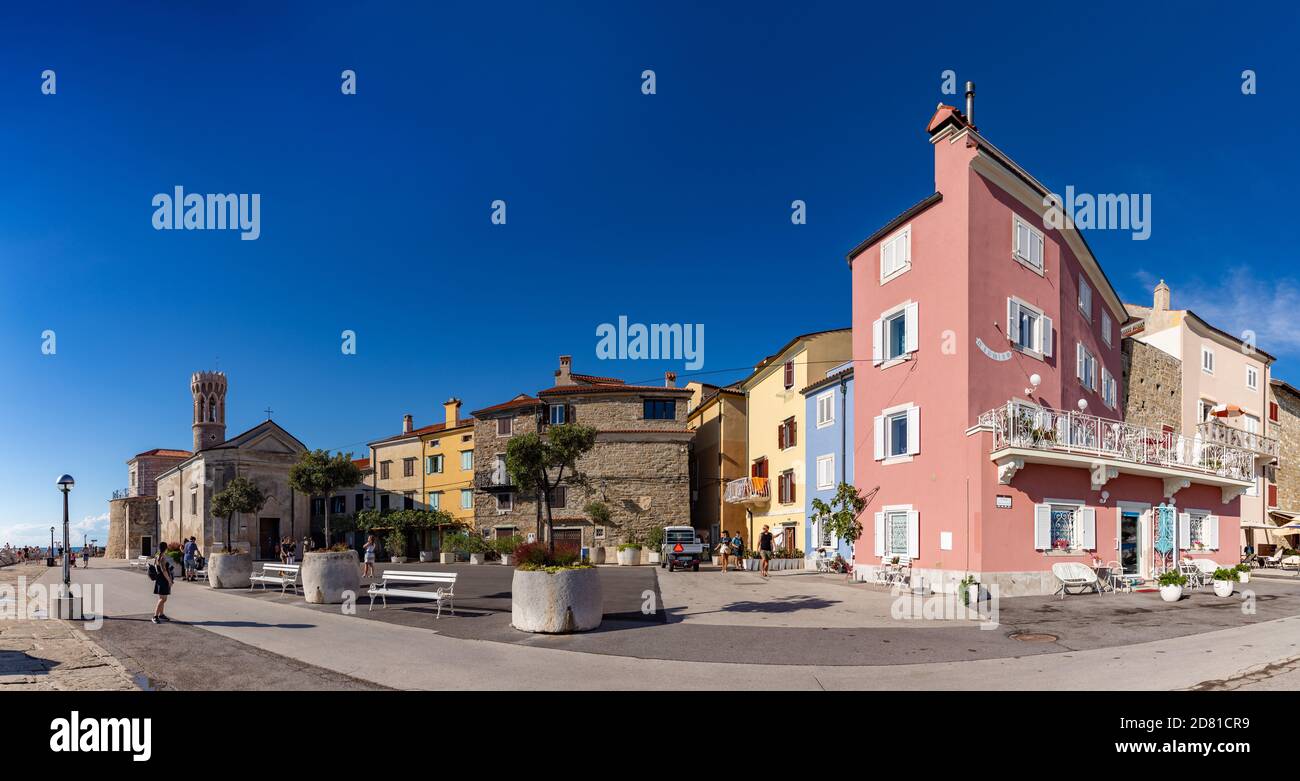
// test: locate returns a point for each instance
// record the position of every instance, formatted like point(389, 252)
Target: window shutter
point(1042, 526)
point(1045, 336)
point(1088, 528)
point(792, 432)
point(1036, 249)
point(780, 436)
point(913, 430)
point(1272, 496)
point(1078, 360)
point(1013, 320)
point(907, 248)
point(880, 534)
point(1212, 531)
point(790, 487)
point(877, 342)
point(880, 437)
point(913, 534)
point(1184, 530)
point(911, 323)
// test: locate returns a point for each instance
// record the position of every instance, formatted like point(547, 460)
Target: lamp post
point(67, 609)
point(49, 561)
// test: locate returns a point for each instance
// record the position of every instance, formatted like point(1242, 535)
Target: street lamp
point(49, 561)
point(65, 484)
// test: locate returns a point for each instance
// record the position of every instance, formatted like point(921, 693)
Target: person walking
point(724, 549)
point(738, 550)
point(160, 571)
point(368, 569)
point(291, 550)
point(765, 550)
point(189, 551)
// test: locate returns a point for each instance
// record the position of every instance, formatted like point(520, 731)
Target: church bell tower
point(209, 391)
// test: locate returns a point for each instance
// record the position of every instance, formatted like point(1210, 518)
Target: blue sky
point(667, 208)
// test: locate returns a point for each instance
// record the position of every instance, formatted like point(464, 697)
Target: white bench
point(445, 591)
point(284, 575)
point(142, 561)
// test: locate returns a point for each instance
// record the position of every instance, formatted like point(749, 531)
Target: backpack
point(153, 571)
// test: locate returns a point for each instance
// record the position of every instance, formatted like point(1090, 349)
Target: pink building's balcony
point(751, 491)
point(1218, 432)
point(1027, 433)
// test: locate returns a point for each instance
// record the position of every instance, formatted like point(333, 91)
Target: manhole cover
point(1034, 637)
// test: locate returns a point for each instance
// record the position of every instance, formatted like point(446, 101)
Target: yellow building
point(449, 464)
point(773, 493)
point(718, 456)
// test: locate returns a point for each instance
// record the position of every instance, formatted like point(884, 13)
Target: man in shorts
point(765, 550)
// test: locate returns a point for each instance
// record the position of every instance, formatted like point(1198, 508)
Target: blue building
point(828, 452)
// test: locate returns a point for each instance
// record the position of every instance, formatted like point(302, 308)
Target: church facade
point(182, 492)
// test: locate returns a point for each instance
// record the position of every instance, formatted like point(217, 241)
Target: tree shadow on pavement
point(790, 604)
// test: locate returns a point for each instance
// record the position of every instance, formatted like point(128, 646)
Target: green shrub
point(654, 539)
point(1226, 574)
point(630, 546)
point(1172, 578)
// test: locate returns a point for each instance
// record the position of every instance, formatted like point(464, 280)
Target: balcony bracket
point(1231, 492)
point(1007, 469)
point(1102, 474)
point(1175, 484)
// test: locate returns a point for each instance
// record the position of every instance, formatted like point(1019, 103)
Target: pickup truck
point(682, 549)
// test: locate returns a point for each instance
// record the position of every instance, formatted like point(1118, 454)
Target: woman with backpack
point(160, 572)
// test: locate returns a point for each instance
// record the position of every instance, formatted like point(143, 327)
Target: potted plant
point(1243, 572)
point(629, 553)
point(328, 574)
point(230, 567)
point(1223, 580)
point(505, 548)
point(969, 589)
point(654, 542)
point(1171, 584)
point(554, 593)
point(396, 544)
point(477, 548)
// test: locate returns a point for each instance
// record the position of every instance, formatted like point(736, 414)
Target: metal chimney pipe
point(970, 103)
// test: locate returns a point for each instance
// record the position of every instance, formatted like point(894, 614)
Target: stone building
point(639, 467)
point(182, 492)
point(1282, 494)
point(133, 513)
point(1152, 382)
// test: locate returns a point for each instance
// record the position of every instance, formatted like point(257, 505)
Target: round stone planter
point(230, 570)
point(1171, 593)
point(556, 602)
point(629, 556)
point(752, 564)
point(326, 575)
point(717, 561)
point(446, 558)
point(477, 558)
point(597, 554)
point(507, 559)
point(655, 557)
point(1244, 575)
point(397, 559)
point(1223, 588)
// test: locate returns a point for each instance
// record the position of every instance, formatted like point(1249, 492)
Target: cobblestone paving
point(51, 655)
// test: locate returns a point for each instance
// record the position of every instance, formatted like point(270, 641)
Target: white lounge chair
point(1073, 574)
point(1206, 568)
point(1272, 561)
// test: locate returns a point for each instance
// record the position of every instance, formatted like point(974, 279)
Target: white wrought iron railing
point(748, 488)
point(1026, 425)
point(1216, 431)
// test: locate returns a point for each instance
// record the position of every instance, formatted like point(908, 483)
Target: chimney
point(452, 408)
point(562, 376)
point(1161, 301)
point(970, 103)
point(670, 379)
point(406, 424)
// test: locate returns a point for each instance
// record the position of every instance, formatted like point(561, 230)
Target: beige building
point(399, 478)
point(717, 417)
point(772, 492)
point(1282, 491)
point(1219, 373)
point(639, 467)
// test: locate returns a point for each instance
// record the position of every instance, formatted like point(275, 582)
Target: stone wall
point(129, 520)
point(1287, 431)
point(146, 470)
point(624, 411)
point(1152, 386)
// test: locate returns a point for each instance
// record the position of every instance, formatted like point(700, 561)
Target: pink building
point(988, 400)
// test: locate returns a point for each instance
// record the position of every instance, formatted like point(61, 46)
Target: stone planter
point(477, 558)
point(446, 558)
point(752, 564)
point(230, 570)
point(426, 555)
point(1223, 588)
point(597, 555)
point(1244, 576)
point(655, 557)
point(629, 556)
point(397, 559)
point(561, 602)
point(507, 559)
point(327, 574)
point(717, 561)
point(1171, 593)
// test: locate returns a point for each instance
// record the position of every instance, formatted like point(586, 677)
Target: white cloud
point(92, 526)
point(1241, 300)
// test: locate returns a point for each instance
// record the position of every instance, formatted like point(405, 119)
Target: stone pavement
point(51, 655)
